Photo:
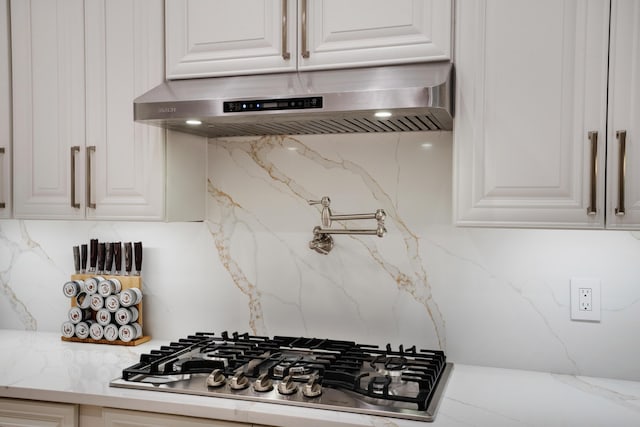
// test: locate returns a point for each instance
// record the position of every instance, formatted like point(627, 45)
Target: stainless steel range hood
point(419, 97)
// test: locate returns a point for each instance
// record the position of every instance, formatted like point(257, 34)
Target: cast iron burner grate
point(323, 373)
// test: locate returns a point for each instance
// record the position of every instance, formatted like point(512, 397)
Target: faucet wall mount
point(323, 242)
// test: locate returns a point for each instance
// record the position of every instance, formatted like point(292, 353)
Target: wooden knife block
point(126, 282)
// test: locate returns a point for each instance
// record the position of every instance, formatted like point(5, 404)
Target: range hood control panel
point(272, 104)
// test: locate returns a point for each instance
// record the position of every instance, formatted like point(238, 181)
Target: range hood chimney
point(398, 98)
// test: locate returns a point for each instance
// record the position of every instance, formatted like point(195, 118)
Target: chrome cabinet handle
point(74, 204)
point(3, 205)
point(305, 49)
point(621, 136)
point(285, 32)
point(90, 149)
point(593, 138)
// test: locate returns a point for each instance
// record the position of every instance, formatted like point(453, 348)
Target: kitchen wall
point(497, 297)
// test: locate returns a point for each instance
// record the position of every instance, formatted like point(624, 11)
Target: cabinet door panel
point(122, 418)
point(531, 79)
point(14, 412)
point(624, 114)
point(374, 32)
point(48, 107)
point(125, 56)
point(5, 113)
point(228, 37)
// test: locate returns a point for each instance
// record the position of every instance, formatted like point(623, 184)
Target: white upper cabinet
point(623, 148)
point(124, 58)
point(354, 33)
point(5, 112)
point(77, 152)
point(224, 37)
point(48, 108)
point(531, 113)
point(77, 67)
point(232, 37)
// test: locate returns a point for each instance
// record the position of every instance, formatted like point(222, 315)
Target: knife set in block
point(105, 308)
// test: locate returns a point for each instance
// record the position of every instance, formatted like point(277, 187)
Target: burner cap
point(387, 364)
point(379, 385)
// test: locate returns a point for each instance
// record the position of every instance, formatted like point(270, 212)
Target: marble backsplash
point(496, 297)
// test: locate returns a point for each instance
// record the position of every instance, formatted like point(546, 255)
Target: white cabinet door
point(124, 58)
point(341, 34)
point(623, 190)
point(5, 112)
point(14, 412)
point(75, 159)
point(531, 85)
point(123, 418)
point(233, 37)
point(48, 108)
point(224, 37)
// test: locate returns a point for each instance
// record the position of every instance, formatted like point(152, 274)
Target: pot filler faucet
point(323, 242)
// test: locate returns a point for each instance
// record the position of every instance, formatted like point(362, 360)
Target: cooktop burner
point(321, 373)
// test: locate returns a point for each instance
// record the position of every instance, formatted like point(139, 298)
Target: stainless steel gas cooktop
point(319, 373)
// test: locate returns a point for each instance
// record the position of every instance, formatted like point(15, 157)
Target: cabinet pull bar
point(285, 33)
point(3, 205)
point(90, 149)
point(593, 138)
point(74, 204)
point(305, 50)
point(621, 136)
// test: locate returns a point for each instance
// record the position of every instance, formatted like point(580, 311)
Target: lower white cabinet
point(23, 413)
point(124, 418)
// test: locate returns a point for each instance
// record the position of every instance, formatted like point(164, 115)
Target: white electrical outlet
point(585, 299)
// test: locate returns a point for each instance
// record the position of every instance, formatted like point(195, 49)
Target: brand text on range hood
point(414, 97)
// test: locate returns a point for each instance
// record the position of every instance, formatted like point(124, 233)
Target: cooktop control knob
point(312, 388)
point(263, 383)
point(239, 381)
point(216, 378)
point(287, 386)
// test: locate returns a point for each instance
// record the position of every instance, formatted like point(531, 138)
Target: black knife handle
point(83, 257)
point(94, 253)
point(127, 257)
point(76, 258)
point(117, 256)
point(137, 252)
point(108, 258)
point(101, 251)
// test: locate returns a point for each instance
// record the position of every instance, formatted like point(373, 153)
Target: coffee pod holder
point(126, 282)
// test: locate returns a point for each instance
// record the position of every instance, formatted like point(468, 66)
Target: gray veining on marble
point(492, 297)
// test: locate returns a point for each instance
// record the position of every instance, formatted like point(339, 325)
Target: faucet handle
point(325, 202)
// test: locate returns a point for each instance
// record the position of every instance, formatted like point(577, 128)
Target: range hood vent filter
point(418, 97)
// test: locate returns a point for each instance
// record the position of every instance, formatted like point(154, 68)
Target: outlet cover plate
point(578, 287)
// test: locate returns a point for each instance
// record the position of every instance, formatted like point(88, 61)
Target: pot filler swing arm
point(323, 242)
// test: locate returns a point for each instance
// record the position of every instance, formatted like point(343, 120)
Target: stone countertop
point(39, 366)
